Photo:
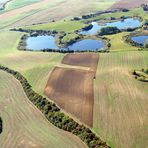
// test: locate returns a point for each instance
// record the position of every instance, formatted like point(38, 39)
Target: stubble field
point(120, 106)
point(23, 124)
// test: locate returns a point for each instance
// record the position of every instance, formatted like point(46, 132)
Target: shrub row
point(35, 32)
point(101, 12)
point(55, 116)
point(1, 127)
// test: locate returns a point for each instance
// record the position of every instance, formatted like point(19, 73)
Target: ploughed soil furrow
point(72, 90)
point(82, 59)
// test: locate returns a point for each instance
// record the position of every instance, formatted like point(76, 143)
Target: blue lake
point(122, 24)
point(140, 39)
point(87, 44)
point(48, 42)
point(41, 42)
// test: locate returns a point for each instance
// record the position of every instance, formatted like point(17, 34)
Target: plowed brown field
point(129, 4)
point(82, 59)
point(72, 90)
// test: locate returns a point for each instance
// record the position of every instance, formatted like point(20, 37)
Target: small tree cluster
point(109, 30)
point(55, 116)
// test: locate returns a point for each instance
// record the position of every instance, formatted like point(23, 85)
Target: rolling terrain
point(95, 89)
point(24, 124)
point(50, 10)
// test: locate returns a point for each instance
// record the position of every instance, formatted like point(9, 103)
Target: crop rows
point(55, 116)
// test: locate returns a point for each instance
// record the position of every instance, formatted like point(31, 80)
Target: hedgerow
point(54, 114)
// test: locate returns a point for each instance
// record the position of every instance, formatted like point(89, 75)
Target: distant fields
point(132, 12)
point(30, 12)
point(14, 4)
point(23, 124)
point(120, 111)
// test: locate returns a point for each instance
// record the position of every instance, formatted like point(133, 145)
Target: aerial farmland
point(73, 74)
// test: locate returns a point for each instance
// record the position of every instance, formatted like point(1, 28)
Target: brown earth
point(82, 59)
point(72, 90)
point(129, 4)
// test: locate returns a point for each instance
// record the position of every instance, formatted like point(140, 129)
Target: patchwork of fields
point(72, 87)
point(48, 10)
point(96, 89)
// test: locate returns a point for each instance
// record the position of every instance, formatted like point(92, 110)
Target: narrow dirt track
point(72, 90)
point(24, 125)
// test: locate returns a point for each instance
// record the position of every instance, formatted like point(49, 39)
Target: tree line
point(54, 114)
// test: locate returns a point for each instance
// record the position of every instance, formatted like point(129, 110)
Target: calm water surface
point(41, 42)
point(140, 39)
point(122, 24)
point(87, 44)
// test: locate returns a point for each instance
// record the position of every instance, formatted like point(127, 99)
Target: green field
point(118, 44)
point(66, 26)
point(15, 4)
point(120, 111)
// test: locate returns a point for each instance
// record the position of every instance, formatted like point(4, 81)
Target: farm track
point(120, 106)
point(24, 124)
